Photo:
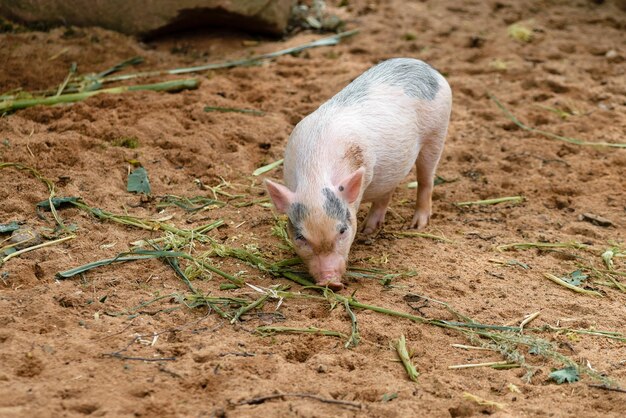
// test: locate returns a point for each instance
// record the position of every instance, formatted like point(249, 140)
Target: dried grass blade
point(268, 167)
point(571, 286)
point(516, 121)
point(36, 247)
point(488, 364)
point(494, 201)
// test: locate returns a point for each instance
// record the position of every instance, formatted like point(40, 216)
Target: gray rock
point(25, 237)
point(148, 18)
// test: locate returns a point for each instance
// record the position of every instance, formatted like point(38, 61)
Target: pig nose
point(332, 279)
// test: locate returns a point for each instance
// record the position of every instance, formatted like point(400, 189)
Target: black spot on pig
point(335, 207)
point(296, 214)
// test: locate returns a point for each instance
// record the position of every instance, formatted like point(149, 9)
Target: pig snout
point(327, 270)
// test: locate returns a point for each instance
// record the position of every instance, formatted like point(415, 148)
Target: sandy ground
point(56, 336)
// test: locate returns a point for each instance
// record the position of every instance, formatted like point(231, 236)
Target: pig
point(357, 147)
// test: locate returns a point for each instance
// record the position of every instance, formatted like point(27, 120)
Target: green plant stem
point(104, 262)
point(173, 263)
point(146, 255)
point(235, 280)
point(405, 358)
point(353, 303)
point(171, 86)
point(295, 278)
point(354, 335)
point(249, 307)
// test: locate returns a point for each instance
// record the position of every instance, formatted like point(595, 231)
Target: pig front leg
point(425, 165)
point(376, 215)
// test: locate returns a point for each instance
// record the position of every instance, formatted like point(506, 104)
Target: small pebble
point(595, 219)
point(25, 237)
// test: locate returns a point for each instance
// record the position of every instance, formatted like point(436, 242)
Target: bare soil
point(55, 335)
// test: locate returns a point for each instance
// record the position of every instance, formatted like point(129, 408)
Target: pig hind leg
point(426, 164)
point(376, 215)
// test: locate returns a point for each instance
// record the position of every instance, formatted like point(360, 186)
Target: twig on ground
point(171, 373)
point(117, 333)
point(541, 245)
point(605, 387)
point(262, 399)
point(420, 235)
point(123, 357)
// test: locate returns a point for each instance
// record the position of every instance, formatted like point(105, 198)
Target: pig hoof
point(368, 231)
point(420, 220)
point(335, 286)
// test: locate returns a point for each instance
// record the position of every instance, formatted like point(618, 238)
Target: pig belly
point(390, 169)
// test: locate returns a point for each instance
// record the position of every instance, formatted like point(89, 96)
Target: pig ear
point(350, 187)
point(281, 196)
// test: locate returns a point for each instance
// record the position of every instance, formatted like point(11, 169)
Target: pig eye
point(342, 230)
point(300, 237)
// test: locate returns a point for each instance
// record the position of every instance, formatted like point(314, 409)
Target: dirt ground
point(56, 336)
